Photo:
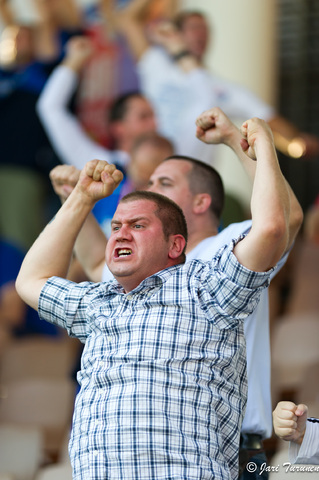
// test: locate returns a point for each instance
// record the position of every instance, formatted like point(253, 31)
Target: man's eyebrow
point(132, 220)
point(161, 179)
point(165, 177)
point(138, 219)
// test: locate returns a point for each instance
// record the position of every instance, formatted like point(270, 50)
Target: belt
point(251, 441)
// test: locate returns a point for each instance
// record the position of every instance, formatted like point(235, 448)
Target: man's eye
point(115, 229)
point(137, 225)
point(166, 184)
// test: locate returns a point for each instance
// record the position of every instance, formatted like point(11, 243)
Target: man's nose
point(124, 233)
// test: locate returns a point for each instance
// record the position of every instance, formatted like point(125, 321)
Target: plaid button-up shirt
point(163, 374)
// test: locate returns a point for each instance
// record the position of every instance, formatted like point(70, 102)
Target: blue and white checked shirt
point(163, 374)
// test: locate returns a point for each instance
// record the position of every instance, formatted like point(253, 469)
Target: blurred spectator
point(111, 70)
point(147, 152)
point(27, 56)
point(173, 77)
point(109, 74)
point(131, 116)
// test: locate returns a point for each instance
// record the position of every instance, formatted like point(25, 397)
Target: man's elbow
point(21, 287)
point(276, 229)
point(276, 236)
point(28, 291)
point(46, 106)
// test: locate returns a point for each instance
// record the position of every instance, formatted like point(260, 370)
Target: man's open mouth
point(124, 252)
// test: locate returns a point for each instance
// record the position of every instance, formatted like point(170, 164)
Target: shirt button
point(129, 297)
point(100, 454)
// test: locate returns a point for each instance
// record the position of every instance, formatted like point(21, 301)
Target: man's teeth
point(124, 252)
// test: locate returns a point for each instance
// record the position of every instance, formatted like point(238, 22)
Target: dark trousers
point(252, 458)
point(252, 470)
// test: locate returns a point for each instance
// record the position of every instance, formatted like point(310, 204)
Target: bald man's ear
point(177, 246)
point(202, 202)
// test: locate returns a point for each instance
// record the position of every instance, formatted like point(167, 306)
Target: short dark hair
point(119, 107)
point(170, 214)
point(204, 178)
point(181, 17)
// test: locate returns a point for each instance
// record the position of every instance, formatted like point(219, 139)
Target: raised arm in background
point(131, 22)
point(66, 134)
point(172, 36)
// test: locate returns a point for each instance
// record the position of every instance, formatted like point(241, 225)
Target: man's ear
point(202, 202)
point(177, 246)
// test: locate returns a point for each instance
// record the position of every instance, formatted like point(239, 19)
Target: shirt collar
point(154, 281)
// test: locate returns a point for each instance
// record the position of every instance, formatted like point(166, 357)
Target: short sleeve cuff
point(239, 274)
point(52, 301)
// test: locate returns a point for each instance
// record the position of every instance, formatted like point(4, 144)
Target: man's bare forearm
point(270, 208)
point(51, 253)
point(295, 212)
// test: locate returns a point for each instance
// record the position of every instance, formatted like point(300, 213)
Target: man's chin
point(120, 272)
